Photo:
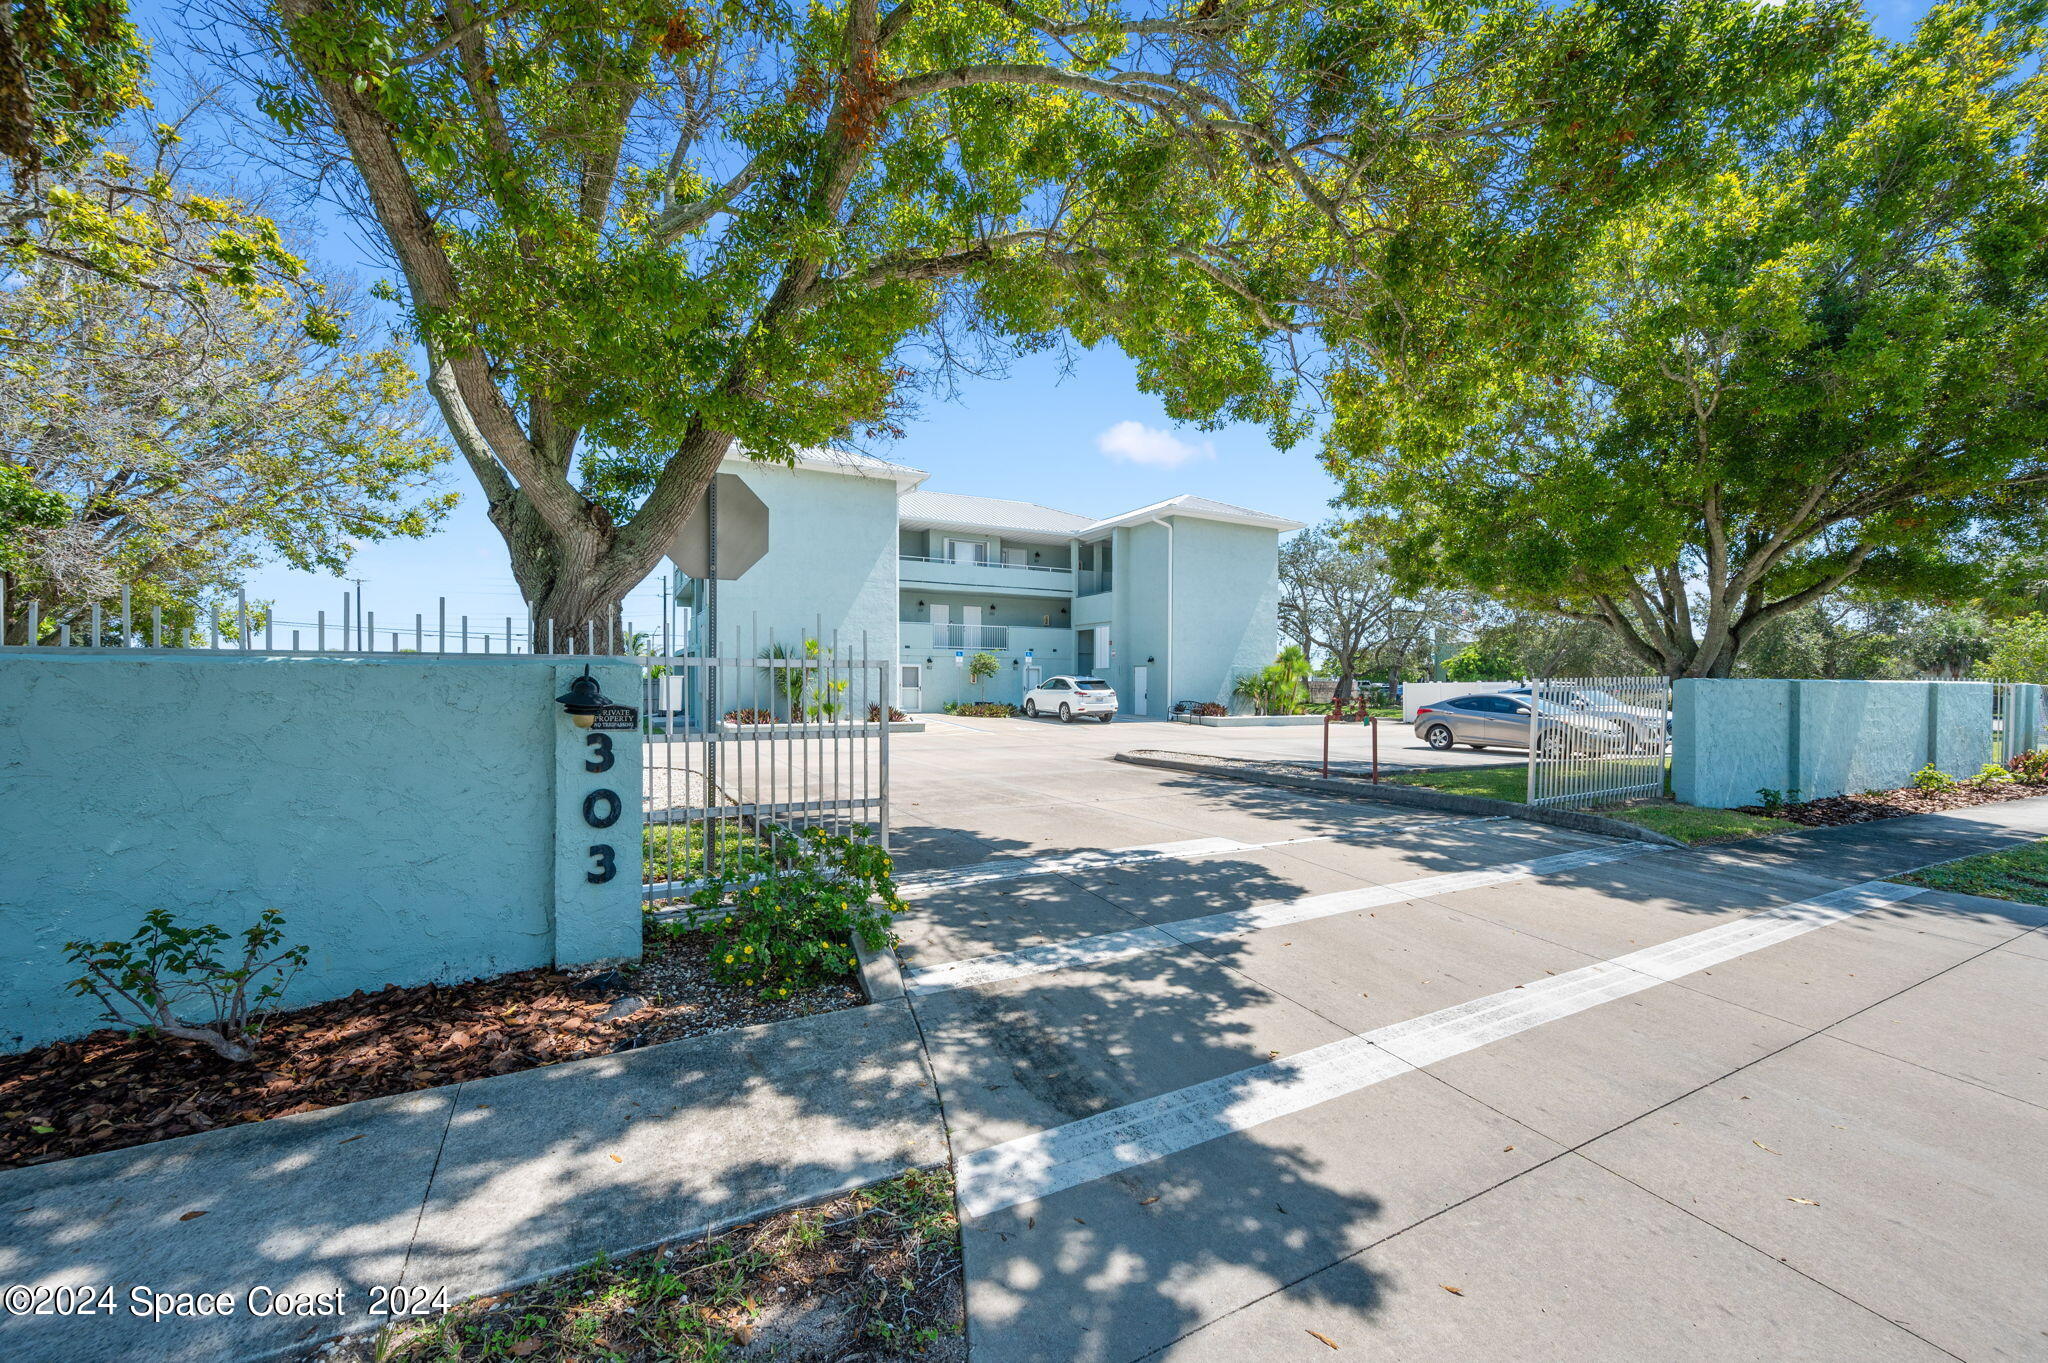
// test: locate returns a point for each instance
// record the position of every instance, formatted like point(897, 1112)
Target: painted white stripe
point(1117, 946)
point(1007, 868)
point(1047, 1162)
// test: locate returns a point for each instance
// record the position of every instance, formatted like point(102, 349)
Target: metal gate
point(1598, 740)
point(744, 753)
point(2015, 720)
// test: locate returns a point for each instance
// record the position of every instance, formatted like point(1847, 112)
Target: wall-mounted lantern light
point(1151, 660)
point(927, 662)
point(920, 605)
point(583, 700)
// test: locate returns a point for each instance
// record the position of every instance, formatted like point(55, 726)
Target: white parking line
point(1117, 946)
point(987, 872)
point(1044, 1163)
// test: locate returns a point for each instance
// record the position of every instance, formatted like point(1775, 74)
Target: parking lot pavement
point(1248, 1100)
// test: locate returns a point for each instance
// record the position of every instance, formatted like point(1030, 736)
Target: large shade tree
point(1824, 364)
point(635, 234)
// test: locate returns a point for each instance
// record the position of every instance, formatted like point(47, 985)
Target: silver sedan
point(1502, 721)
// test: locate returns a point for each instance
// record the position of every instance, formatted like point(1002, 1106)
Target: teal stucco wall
point(830, 565)
point(415, 819)
point(1731, 739)
point(1226, 606)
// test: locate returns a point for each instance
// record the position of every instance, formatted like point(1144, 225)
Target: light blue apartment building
point(1170, 602)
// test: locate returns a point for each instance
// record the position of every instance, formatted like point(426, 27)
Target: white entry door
point(1033, 675)
point(970, 627)
point(939, 639)
point(910, 688)
point(1141, 690)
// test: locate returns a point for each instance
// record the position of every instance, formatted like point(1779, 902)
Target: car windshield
point(1091, 684)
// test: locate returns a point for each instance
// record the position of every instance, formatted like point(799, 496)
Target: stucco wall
point(1226, 606)
point(403, 814)
point(1731, 739)
point(830, 565)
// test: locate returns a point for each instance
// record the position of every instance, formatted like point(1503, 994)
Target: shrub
point(983, 709)
point(1771, 801)
point(1991, 774)
point(749, 717)
point(896, 716)
point(795, 929)
point(1931, 778)
point(2030, 768)
point(1280, 688)
point(1202, 707)
point(151, 981)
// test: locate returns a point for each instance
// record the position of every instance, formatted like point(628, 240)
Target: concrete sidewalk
point(472, 1188)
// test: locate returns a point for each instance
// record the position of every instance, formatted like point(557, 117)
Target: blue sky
point(1086, 440)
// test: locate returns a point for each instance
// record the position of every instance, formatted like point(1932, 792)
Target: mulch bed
point(1836, 810)
point(113, 1089)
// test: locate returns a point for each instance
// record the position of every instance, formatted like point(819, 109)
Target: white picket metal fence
point(749, 748)
point(1598, 740)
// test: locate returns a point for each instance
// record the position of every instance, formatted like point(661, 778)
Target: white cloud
point(1133, 442)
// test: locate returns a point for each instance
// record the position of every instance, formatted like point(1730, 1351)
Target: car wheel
point(1066, 713)
point(1439, 736)
point(1550, 745)
point(1107, 718)
point(1031, 709)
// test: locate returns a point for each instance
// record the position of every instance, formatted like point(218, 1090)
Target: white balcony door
point(939, 639)
point(966, 551)
point(970, 627)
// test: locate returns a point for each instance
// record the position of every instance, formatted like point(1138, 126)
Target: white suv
point(1071, 698)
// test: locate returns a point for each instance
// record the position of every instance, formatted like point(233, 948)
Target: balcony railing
point(993, 637)
point(986, 563)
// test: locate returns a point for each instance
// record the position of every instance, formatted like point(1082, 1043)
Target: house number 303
point(601, 809)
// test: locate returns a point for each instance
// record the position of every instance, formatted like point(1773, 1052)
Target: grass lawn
point(873, 1274)
point(1690, 823)
point(2019, 873)
point(1492, 783)
point(1687, 823)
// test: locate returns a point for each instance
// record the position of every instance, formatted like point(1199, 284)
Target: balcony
point(974, 638)
point(1019, 579)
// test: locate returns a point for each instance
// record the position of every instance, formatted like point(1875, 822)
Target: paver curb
point(1405, 795)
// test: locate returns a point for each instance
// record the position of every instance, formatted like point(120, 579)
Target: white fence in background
point(1598, 740)
point(243, 628)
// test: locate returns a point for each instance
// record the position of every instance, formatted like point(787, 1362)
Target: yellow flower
point(842, 903)
point(728, 960)
point(750, 951)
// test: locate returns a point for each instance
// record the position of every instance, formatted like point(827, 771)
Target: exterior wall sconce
point(583, 700)
point(920, 605)
point(1151, 660)
point(927, 662)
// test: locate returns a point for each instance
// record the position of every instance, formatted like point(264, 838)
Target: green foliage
point(2019, 650)
point(152, 981)
point(1692, 824)
point(632, 235)
point(982, 667)
point(68, 68)
point(795, 928)
point(980, 709)
point(25, 507)
point(1930, 778)
point(2017, 873)
point(1991, 774)
point(1774, 801)
point(1477, 663)
point(1823, 361)
point(1489, 783)
point(2029, 768)
point(1279, 688)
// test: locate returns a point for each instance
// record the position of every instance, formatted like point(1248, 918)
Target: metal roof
point(995, 513)
point(826, 460)
point(1198, 508)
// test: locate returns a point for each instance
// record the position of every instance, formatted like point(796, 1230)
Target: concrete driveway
point(1231, 1073)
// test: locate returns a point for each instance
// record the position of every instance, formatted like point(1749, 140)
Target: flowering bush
point(795, 929)
point(981, 709)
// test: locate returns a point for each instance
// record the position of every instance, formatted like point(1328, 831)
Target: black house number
point(601, 808)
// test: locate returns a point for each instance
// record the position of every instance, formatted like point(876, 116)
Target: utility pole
point(360, 641)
